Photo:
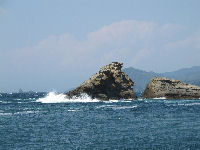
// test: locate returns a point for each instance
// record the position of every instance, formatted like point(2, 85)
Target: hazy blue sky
point(57, 44)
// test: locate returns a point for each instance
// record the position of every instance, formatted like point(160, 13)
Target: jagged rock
point(109, 83)
point(171, 89)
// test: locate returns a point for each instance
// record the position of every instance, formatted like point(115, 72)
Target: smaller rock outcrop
point(171, 89)
point(110, 83)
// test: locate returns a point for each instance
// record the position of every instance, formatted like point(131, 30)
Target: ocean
point(49, 121)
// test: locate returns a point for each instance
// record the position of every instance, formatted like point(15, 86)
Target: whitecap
point(160, 98)
point(103, 106)
point(124, 107)
point(189, 104)
point(5, 102)
point(72, 110)
point(112, 101)
point(5, 114)
point(115, 107)
point(53, 97)
point(116, 101)
point(26, 112)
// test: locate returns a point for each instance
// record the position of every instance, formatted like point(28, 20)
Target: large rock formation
point(171, 89)
point(110, 83)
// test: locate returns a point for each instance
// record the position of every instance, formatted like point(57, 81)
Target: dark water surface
point(140, 124)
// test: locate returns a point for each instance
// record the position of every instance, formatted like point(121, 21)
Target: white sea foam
point(104, 106)
point(112, 101)
point(124, 107)
point(2, 113)
point(26, 112)
point(5, 102)
point(53, 97)
point(160, 98)
point(189, 104)
point(115, 107)
point(18, 113)
point(72, 110)
point(116, 101)
point(5, 114)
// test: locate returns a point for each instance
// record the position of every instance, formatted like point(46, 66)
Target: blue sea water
point(36, 121)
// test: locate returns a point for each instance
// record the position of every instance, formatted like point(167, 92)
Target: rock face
point(110, 83)
point(171, 89)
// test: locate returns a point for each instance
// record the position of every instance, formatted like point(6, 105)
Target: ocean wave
point(5, 114)
point(189, 104)
point(26, 112)
point(103, 106)
point(160, 98)
point(124, 107)
point(116, 101)
point(18, 113)
point(73, 110)
point(53, 97)
point(5, 102)
point(115, 107)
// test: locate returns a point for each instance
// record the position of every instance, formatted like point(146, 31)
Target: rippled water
point(36, 121)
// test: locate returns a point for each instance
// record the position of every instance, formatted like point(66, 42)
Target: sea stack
point(171, 89)
point(110, 83)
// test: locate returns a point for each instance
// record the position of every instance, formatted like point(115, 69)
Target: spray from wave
point(53, 97)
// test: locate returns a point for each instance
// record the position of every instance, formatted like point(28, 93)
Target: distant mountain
point(141, 78)
point(190, 75)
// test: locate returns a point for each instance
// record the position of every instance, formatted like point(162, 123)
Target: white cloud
point(142, 53)
point(118, 41)
point(2, 11)
point(139, 44)
point(179, 44)
point(171, 27)
point(122, 32)
point(189, 42)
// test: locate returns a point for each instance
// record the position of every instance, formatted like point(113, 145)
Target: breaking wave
point(160, 98)
point(53, 97)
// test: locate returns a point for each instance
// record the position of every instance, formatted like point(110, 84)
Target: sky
point(54, 45)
